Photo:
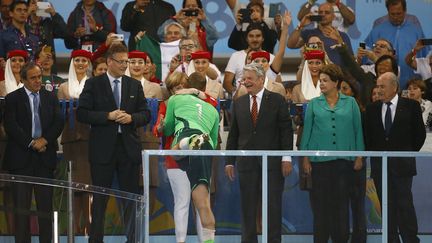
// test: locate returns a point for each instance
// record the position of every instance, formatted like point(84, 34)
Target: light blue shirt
point(30, 96)
point(111, 79)
point(403, 38)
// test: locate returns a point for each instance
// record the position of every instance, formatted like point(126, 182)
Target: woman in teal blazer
point(332, 122)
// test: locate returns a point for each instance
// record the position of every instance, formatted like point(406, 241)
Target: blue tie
point(116, 93)
point(388, 119)
point(36, 120)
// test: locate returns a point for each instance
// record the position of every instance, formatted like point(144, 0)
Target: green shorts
point(197, 168)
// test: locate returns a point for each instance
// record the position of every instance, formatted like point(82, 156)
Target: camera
point(246, 15)
point(191, 12)
point(119, 37)
point(316, 18)
point(426, 42)
point(181, 58)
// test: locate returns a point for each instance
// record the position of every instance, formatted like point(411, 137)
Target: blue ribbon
point(153, 105)
point(71, 114)
point(63, 108)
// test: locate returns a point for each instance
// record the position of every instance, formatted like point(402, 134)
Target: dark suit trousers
point(22, 195)
point(250, 192)
point(128, 177)
point(329, 198)
point(401, 211)
point(357, 196)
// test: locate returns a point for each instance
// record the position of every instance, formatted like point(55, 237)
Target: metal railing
point(71, 186)
point(264, 155)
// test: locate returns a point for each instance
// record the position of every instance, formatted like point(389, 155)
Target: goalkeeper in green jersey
point(195, 125)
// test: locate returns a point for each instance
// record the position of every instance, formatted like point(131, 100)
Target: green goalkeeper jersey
point(190, 112)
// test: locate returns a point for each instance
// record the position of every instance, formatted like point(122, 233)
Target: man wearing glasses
point(114, 105)
point(380, 48)
point(180, 62)
point(17, 36)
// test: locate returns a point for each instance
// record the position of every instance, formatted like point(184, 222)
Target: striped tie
point(254, 110)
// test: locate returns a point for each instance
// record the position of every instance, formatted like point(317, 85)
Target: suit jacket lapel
point(399, 112)
point(264, 106)
point(125, 85)
point(26, 100)
point(378, 111)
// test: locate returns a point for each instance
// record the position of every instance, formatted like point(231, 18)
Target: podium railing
point(81, 187)
point(264, 155)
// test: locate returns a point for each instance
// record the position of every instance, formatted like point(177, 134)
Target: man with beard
point(234, 68)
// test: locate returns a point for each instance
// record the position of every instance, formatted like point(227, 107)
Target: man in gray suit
point(260, 121)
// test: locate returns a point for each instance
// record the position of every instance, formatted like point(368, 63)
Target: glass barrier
point(70, 217)
point(297, 216)
point(156, 222)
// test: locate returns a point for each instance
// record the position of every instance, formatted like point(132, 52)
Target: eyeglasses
point(187, 47)
point(122, 62)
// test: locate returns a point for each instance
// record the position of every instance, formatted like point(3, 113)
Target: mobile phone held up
point(426, 42)
point(315, 18)
point(362, 45)
point(245, 15)
point(191, 12)
point(119, 37)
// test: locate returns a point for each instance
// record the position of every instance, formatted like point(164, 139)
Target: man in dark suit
point(260, 121)
point(114, 105)
point(33, 122)
point(395, 124)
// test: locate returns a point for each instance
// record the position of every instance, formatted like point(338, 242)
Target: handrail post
point(146, 196)
point(70, 231)
point(264, 199)
point(55, 227)
point(384, 197)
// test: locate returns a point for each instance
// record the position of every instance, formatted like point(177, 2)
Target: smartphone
point(119, 37)
point(316, 18)
point(274, 9)
point(186, 58)
point(362, 45)
point(245, 15)
point(190, 12)
point(426, 42)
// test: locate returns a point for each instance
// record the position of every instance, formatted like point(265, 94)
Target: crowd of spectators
point(342, 87)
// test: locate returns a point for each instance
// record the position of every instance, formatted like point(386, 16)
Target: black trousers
point(329, 198)
point(250, 192)
point(402, 217)
point(128, 177)
point(357, 195)
point(22, 196)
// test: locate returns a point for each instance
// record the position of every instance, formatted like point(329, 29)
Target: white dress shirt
point(259, 96)
point(393, 107)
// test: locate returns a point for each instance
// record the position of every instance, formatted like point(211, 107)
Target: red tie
point(254, 110)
